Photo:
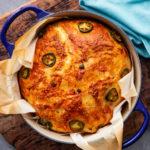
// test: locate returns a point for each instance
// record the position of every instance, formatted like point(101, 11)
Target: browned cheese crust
point(66, 91)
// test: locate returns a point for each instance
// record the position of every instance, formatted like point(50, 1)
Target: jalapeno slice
point(81, 67)
point(124, 72)
point(49, 59)
point(45, 123)
point(24, 73)
point(78, 90)
point(100, 126)
point(115, 36)
point(112, 95)
point(42, 33)
point(85, 27)
point(53, 84)
point(76, 125)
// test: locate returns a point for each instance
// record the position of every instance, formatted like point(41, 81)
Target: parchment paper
point(107, 138)
point(110, 136)
point(23, 54)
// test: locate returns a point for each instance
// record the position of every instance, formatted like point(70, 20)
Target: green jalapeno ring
point(45, 123)
point(49, 59)
point(76, 125)
point(24, 73)
point(100, 126)
point(53, 84)
point(42, 121)
point(124, 72)
point(78, 90)
point(115, 36)
point(85, 27)
point(49, 125)
point(112, 95)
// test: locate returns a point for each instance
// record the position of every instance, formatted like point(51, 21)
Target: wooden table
point(12, 127)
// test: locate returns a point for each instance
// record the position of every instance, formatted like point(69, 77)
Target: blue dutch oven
point(137, 104)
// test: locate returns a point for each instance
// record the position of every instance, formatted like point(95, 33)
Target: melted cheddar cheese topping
point(74, 80)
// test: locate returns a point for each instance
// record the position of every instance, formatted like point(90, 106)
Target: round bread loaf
point(73, 85)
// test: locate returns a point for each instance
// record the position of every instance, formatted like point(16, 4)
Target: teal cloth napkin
point(133, 16)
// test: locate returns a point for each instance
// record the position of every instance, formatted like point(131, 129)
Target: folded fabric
point(133, 16)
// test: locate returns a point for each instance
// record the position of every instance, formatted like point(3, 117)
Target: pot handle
point(139, 107)
point(10, 46)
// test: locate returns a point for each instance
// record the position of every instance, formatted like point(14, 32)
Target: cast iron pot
point(136, 101)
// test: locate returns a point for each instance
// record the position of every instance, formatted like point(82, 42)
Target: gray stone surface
point(9, 5)
point(4, 145)
point(142, 144)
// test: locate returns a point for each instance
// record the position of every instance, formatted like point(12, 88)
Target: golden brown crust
point(103, 59)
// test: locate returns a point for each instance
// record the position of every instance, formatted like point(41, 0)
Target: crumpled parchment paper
point(110, 137)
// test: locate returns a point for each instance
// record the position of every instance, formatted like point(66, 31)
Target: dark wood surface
point(12, 127)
